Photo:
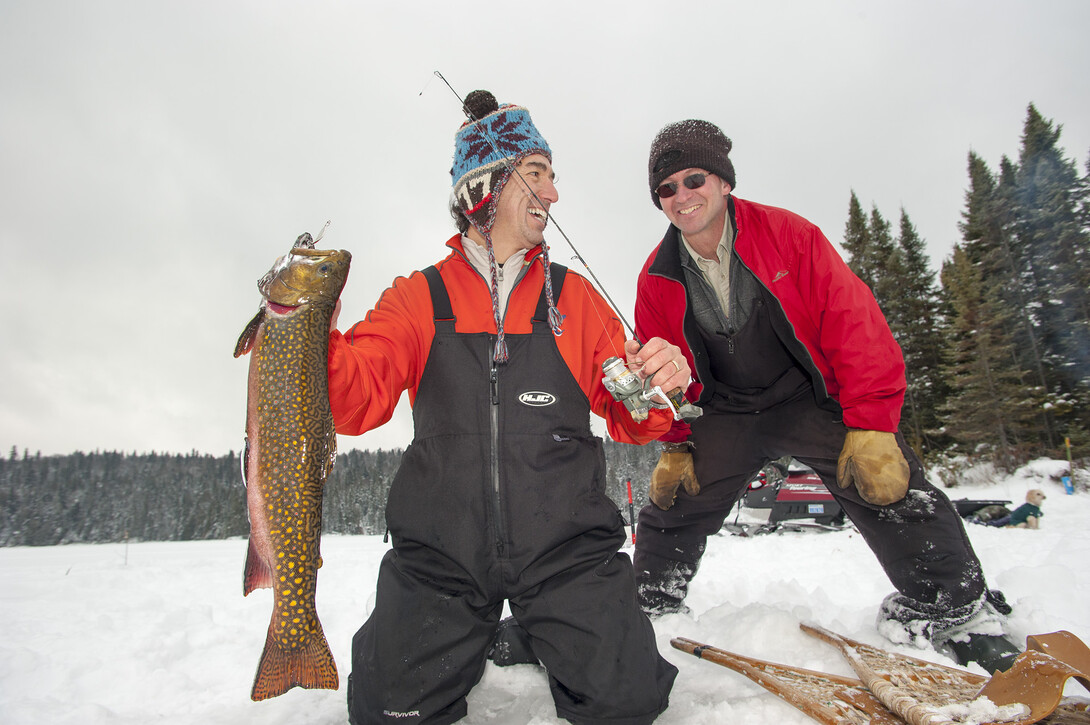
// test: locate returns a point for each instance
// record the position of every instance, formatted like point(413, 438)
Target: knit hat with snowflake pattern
point(487, 149)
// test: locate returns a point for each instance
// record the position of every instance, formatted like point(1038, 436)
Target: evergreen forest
point(112, 497)
point(997, 347)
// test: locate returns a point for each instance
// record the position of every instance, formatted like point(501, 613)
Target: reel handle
point(684, 409)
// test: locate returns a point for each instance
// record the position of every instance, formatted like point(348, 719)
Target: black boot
point(511, 645)
point(991, 651)
point(965, 634)
point(661, 584)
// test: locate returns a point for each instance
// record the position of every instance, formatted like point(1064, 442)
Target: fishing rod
point(511, 167)
point(624, 385)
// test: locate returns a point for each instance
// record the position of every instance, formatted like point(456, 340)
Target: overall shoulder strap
point(559, 273)
point(440, 300)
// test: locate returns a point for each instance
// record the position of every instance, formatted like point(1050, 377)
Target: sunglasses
point(692, 181)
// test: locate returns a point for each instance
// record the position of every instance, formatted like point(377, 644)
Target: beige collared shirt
point(717, 271)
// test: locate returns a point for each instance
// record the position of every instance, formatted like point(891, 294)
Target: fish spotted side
point(290, 451)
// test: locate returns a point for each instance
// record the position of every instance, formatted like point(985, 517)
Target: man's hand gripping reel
point(626, 387)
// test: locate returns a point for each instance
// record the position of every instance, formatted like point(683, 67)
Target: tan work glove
point(872, 460)
point(674, 469)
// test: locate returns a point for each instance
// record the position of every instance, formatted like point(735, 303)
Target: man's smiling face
point(520, 217)
point(697, 212)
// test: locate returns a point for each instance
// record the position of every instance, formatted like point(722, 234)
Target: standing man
point(792, 357)
point(501, 495)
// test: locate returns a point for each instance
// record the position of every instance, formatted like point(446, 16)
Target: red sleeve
point(593, 334)
point(659, 313)
point(863, 364)
point(373, 361)
point(618, 419)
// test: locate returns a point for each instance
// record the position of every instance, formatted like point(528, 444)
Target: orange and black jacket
point(372, 362)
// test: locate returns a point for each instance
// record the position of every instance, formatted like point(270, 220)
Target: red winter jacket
point(830, 321)
point(381, 356)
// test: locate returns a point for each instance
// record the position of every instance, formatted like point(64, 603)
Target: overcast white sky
point(157, 158)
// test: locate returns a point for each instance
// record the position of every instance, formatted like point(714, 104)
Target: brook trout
point(290, 450)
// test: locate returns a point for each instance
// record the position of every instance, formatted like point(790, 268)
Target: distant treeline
point(112, 496)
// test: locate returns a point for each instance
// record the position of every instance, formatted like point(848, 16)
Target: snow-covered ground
point(160, 632)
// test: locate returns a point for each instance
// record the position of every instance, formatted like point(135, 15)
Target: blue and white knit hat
point(487, 148)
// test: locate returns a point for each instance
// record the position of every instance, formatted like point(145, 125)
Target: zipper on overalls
point(494, 452)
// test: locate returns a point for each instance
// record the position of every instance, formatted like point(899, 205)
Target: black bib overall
point(501, 497)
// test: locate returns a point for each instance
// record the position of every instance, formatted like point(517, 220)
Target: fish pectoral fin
point(249, 334)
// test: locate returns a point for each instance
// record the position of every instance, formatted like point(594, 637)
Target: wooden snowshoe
point(912, 688)
point(1065, 647)
point(829, 699)
point(915, 689)
point(1039, 674)
point(895, 688)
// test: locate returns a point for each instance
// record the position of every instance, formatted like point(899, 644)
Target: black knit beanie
point(691, 144)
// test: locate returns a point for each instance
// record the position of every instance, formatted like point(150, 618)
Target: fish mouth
point(279, 308)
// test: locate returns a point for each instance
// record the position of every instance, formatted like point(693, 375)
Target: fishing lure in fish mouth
point(282, 293)
point(305, 241)
point(287, 284)
point(304, 247)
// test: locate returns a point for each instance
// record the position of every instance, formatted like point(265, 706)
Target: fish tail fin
point(310, 667)
point(257, 574)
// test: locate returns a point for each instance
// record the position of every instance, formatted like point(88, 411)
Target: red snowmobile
point(790, 497)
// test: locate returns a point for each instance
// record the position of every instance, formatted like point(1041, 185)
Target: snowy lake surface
point(130, 634)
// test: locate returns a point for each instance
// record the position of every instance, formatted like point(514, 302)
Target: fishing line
point(675, 399)
point(620, 353)
point(549, 215)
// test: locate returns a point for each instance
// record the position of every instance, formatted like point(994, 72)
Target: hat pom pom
point(479, 104)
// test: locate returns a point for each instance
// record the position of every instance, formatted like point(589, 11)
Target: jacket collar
point(668, 260)
point(455, 243)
